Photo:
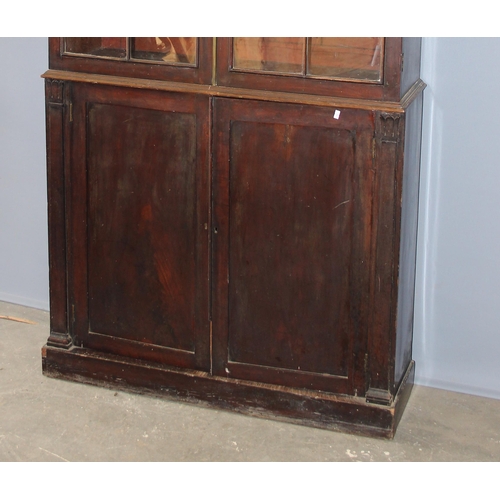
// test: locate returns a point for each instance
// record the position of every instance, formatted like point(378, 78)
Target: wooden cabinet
point(233, 222)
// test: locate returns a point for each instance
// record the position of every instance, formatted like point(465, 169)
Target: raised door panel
point(139, 214)
point(292, 190)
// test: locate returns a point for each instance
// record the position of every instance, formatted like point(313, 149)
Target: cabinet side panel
point(142, 224)
point(408, 248)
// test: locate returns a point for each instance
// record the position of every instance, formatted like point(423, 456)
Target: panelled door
point(138, 203)
point(286, 281)
point(292, 189)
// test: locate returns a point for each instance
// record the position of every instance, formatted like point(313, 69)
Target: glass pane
point(97, 46)
point(269, 54)
point(173, 50)
point(346, 58)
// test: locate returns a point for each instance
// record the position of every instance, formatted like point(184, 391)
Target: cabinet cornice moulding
point(240, 93)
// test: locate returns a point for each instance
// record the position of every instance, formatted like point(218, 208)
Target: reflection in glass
point(269, 54)
point(342, 58)
point(347, 58)
point(174, 50)
point(97, 46)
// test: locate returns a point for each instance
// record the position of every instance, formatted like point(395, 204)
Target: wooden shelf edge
point(240, 93)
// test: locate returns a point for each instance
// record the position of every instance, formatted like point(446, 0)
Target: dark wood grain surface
point(243, 240)
point(291, 260)
point(140, 209)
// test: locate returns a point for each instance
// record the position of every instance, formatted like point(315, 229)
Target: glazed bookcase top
point(339, 67)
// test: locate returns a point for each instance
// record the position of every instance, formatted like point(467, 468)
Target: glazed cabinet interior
point(232, 221)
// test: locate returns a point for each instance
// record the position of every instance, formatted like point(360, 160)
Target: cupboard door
point(362, 67)
point(292, 199)
point(174, 59)
point(138, 224)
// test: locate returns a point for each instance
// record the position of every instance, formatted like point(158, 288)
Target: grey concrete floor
point(49, 420)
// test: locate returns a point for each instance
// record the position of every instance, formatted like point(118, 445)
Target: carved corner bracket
point(54, 91)
point(388, 127)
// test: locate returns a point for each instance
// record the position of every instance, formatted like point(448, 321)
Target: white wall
point(457, 340)
point(23, 201)
point(457, 324)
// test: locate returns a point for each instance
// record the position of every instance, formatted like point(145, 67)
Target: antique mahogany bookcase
point(232, 221)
